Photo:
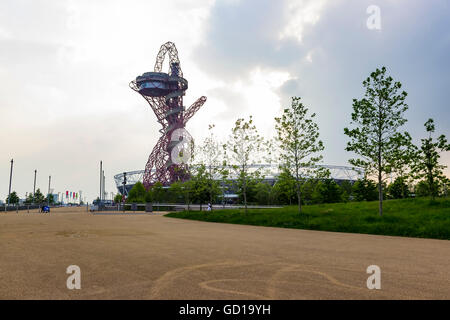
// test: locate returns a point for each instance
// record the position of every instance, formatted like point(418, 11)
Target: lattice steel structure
point(164, 92)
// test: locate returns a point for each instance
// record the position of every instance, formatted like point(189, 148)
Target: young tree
point(243, 149)
point(283, 192)
point(211, 156)
point(298, 138)
point(224, 173)
point(199, 182)
point(118, 198)
point(364, 190)
point(13, 198)
point(377, 118)
point(262, 193)
point(187, 188)
point(157, 192)
point(346, 187)
point(427, 165)
point(330, 191)
point(39, 197)
point(29, 199)
point(137, 193)
point(175, 191)
point(401, 162)
point(398, 189)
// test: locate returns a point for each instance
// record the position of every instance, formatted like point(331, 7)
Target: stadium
point(126, 180)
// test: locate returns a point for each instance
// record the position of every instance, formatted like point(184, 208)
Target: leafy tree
point(298, 138)
point(211, 156)
point(50, 199)
point(148, 196)
point(283, 192)
point(364, 189)
point(137, 193)
point(12, 198)
point(39, 198)
point(262, 193)
point(244, 148)
point(377, 118)
point(422, 189)
point(330, 191)
point(29, 199)
point(200, 186)
point(118, 198)
point(310, 191)
point(427, 165)
point(224, 174)
point(398, 189)
point(175, 192)
point(157, 191)
point(346, 188)
point(402, 157)
point(187, 188)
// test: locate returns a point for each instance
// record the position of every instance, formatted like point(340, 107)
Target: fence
point(16, 207)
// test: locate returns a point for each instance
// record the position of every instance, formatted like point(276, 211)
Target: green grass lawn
point(409, 217)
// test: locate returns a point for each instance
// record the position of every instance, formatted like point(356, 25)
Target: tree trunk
point(380, 194)
point(245, 196)
point(299, 197)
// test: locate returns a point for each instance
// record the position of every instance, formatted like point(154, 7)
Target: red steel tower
point(164, 92)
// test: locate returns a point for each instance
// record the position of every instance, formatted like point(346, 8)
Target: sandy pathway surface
point(155, 257)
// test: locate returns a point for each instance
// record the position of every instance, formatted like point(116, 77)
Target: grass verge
point(421, 218)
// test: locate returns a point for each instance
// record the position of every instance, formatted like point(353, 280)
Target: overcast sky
point(65, 66)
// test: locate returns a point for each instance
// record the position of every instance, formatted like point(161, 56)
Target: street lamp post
point(34, 185)
point(101, 170)
point(10, 181)
point(48, 193)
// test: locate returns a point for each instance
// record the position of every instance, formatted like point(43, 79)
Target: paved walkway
point(154, 257)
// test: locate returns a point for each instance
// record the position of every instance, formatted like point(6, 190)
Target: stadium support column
point(10, 181)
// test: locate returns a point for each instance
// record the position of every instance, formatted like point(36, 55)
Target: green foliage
point(283, 192)
point(346, 188)
point(427, 165)
point(244, 148)
point(364, 190)
point(39, 198)
point(29, 199)
point(50, 199)
point(157, 192)
point(422, 189)
point(175, 192)
point(118, 198)
point(211, 156)
point(12, 198)
point(200, 186)
point(299, 144)
point(377, 118)
point(137, 193)
point(398, 189)
point(330, 191)
point(262, 193)
point(406, 217)
point(187, 191)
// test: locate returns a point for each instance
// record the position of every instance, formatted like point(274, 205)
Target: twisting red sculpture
point(164, 92)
